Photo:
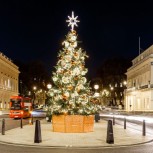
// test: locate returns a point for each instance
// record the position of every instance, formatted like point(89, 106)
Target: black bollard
point(97, 117)
point(113, 120)
point(32, 119)
point(3, 127)
point(21, 125)
point(124, 123)
point(110, 135)
point(144, 128)
point(37, 138)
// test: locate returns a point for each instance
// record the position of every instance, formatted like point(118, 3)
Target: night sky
point(34, 30)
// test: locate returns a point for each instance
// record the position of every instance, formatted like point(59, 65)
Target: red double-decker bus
point(20, 107)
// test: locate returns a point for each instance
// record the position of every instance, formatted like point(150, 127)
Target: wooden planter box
point(72, 123)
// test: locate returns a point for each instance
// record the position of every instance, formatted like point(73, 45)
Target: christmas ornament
point(55, 78)
point(72, 21)
point(66, 43)
point(68, 58)
point(76, 71)
point(65, 79)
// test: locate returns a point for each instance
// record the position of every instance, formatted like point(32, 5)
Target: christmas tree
point(70, 92)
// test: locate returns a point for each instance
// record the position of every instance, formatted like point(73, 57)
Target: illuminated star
point(72, 21)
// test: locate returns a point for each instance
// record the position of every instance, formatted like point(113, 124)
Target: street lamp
point(48, 115)
point(124, 82)
point(34, 96)
point(124, 91)
point(49, 86)
point(96, 87)
point(34, 88)
point(112, 88)
point(112, 95)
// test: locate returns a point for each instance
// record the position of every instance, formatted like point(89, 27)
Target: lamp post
point(112, 89)
point(124, 92)
point(49, 86)
point(48, 115)
point(34, 96)
point(96, 87)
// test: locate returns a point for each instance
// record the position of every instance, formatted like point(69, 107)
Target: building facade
point(139, 92)
point(9, 74)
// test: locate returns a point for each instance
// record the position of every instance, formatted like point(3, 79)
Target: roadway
point(14, 123)
point(145, 148)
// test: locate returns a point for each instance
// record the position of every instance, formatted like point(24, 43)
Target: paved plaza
point(97, 138)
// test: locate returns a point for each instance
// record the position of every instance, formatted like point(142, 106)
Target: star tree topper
point(72, 21)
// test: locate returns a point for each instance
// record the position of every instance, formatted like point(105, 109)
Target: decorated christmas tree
point(70, 92)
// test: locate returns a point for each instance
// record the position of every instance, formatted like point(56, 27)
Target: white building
point(139, 92)
point(9, 74)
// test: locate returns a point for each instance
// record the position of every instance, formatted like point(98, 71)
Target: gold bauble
point(72, 62)
point(78, 90)
point(83, 97)
point(64, 97)
point(67, 52)
point(73, 32)
point(70, 87)
point(76, 78)
point(75, 54)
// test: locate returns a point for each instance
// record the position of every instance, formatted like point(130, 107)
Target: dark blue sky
point(31, 30)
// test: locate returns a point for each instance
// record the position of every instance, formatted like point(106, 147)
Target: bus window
point(16, 104)
point(26, 108)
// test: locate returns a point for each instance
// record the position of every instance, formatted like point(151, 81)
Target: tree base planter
point(72, 123)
